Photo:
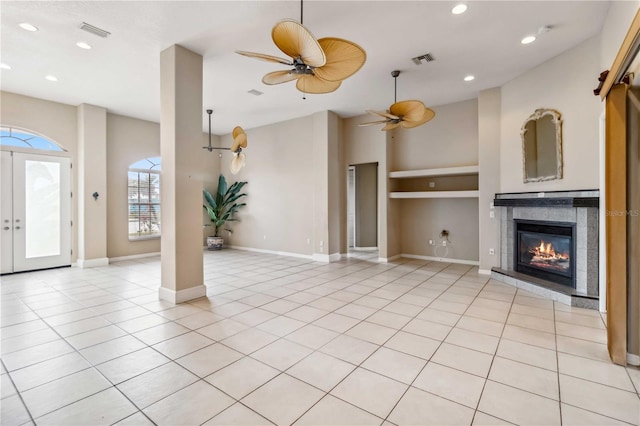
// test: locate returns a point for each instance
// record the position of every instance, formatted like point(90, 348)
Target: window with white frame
point(144, 199)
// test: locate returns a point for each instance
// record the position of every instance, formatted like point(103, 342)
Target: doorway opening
point(362, 209)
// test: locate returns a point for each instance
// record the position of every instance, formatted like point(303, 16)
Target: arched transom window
point(10, 136)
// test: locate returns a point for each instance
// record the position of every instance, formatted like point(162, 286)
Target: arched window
point(144, 199)
point(10, 136)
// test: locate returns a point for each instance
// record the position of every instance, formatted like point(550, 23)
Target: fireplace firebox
point(545, 250)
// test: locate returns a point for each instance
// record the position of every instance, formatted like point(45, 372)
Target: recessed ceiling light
point(27, 26)
point(5, 66)
point(528, 39)
point(459, 9)
point(51, 78)
point(469, 77)
point(83, 45)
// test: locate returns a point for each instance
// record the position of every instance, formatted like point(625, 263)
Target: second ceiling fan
point(405, 114)
point(319, 66)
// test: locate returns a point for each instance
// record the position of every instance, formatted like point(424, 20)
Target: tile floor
point(286, 341)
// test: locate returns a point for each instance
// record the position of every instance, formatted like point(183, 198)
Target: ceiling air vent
point(94, 30)
point(427, 57)
point(255, 92)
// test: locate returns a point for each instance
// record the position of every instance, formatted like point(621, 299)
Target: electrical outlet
point(492, 251)
point(444, 243)
point(432, 184)
point(431, 242)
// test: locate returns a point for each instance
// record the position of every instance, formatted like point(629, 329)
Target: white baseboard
point(441, 259)
point(633, 359)
point(180, 296)
point(484, 271)
point(92, 263)
point(133, 256)
point(327, 258)
point(389, 259)
point(279, 253)
point(366, 248)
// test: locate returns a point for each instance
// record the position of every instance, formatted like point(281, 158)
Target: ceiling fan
point(319, 66)
point(239, 142)
point(405, 114)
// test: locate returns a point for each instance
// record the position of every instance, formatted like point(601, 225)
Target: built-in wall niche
point(447, 182)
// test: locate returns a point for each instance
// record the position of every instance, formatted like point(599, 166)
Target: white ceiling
point(121, 72)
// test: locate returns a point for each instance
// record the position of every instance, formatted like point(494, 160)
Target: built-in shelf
point(435, 194)
point(445, 171)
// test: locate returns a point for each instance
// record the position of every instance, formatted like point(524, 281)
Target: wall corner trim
point(389, 259)
point(484, 271)
point(93, 263)
point(180, 296)
point(633, 359)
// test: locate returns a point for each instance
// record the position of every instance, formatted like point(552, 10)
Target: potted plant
point(222, 208)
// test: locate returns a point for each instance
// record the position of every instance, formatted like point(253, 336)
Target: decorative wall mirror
point(542, 146)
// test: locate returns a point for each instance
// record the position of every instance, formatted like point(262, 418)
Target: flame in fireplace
point(546, 252)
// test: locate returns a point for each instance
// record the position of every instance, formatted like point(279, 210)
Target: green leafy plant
point(224, 205)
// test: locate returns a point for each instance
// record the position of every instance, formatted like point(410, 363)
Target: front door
point(36, 212)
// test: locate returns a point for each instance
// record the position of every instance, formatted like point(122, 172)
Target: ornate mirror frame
point(539, 114)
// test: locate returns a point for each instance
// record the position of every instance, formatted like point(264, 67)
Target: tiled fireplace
point(549, 244)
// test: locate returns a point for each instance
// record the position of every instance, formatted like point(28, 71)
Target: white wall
point(563, 83)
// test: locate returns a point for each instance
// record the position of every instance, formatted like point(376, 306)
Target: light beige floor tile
point(249, 340)
point(280, 306)
point(574, 416)
point(428, 329)
point(532, 355)
point(440, 317)
point(601, 399)
point(103, 408)
point(281, 354)
point(373, 333)
point(46, 371)
point(491, 304)
point(544, 313)
point(401, 308)
point(254, 317)
point(455, 308)
point(529, 336)
point(281, 326)
point(13, 411)
point(336, 322)
point(160, 333)
point(331, 411)
point(634, 373)
point(302, 297)
point(372, 302)
point(421, 408)
point(283, 399)
point(389, 319)
point(127, 366)
point(480, 325)
point(472, 340)
point(604, 373)
point(534, 323)
point(412, 344)
point(349, 349)
point(142, 323)
point(137, 419)
point(561, 307)
point(448, 296)
point(24, 341)
point(192, 405)
point(7, 388)
point(464, 359)
point(36, 354)
point(77, 327)
point(210, 359)
point(393, 364)
point(482, 419)
point(496, 295)
point(584, 320)
point(320, 370)
point(517, 406)
point(199, 319)
point(356, 311)
point(94, 337)
point(97, 354)
point(497, 315)
point(156, 384)
point(370, 391)
point(455, 385)
point(179, 311)
point(58, 393)
point(182, 345)
point(222, 329)
point(242, 377)
point(583, 348)
point(126, 314)
point(258, 299)
point(580, 332)
point(312, 336)
point(238, 415)
point(414, 299)
point(536, 301)
point(526, 377)
point(306, 313)
point(23, 328)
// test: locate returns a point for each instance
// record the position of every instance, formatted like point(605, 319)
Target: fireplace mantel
point(582, 198)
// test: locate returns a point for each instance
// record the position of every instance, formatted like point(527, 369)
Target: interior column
point(180, 183)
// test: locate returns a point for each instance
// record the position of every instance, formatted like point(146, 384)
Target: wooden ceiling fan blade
point(314, 85)
point(263, 57)
point(239, 132)
point(344, 58)
point(295, 41)
point(383, 114)
point(239, 141)
point(279, 77)
point(427, 116)
point(372, 123)
point(237, 163)
point(391, 126)
point(408, 110)
point(236, 131)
